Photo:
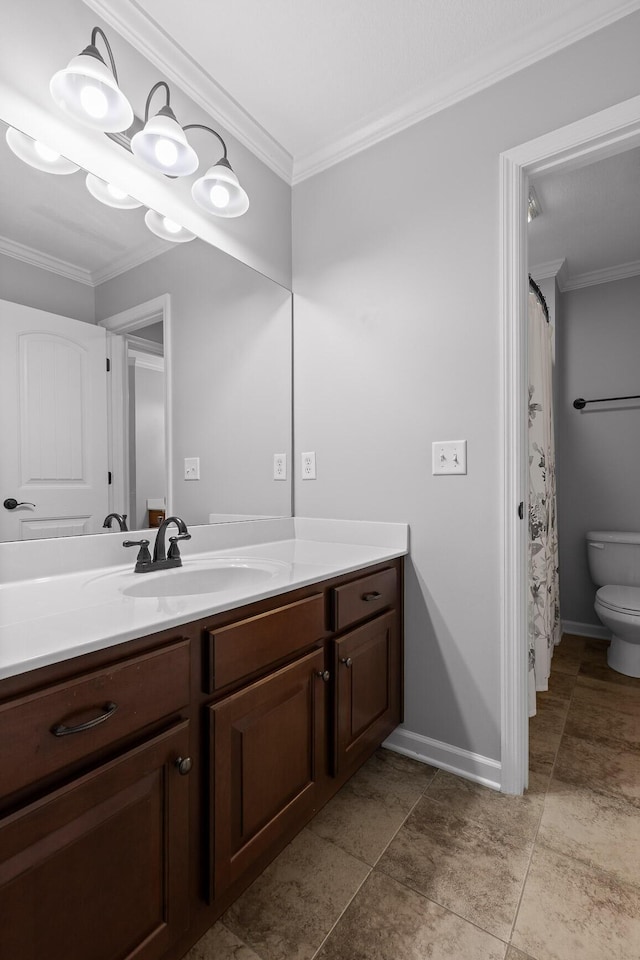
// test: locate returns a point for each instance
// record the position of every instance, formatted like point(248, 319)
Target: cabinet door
point(367, 668)
point(269, 752)
point(98, 869)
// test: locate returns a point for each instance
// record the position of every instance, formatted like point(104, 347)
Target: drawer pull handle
point(346, 660)
point(61, 730)
point(368, 597)
point(324, 675)
point(183, 765)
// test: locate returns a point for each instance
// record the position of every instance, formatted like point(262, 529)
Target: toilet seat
point(620, 599)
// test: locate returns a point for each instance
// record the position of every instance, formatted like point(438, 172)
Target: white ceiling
point(306, 82)
point(590, 219)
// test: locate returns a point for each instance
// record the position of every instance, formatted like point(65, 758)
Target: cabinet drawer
point(363, 597)
point(39, 731)
point(251, 645)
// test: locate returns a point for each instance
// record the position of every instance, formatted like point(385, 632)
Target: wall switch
point(449, 456)
point(279, 466)
point(308, 466)
point(192, 468)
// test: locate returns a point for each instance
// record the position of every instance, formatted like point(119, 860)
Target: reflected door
point(54, 424)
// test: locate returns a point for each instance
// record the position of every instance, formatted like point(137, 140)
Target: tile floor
point(407, 862)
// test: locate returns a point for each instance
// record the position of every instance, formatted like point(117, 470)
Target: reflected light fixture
point(110, 195)
point(162, 143)
point(88, 90)
point(38, 154)
point(219, 191)
point(533, 205)
point(167, 229)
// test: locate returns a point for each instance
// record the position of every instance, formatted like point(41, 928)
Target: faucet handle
point(174, 551)
point(144, 556)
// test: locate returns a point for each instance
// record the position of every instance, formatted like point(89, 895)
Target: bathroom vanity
point(146, 783)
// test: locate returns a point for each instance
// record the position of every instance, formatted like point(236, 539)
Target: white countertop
point(55, 618)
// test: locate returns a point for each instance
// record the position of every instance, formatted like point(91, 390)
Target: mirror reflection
point(197, 398)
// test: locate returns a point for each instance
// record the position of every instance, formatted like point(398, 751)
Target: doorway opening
point(604, 134)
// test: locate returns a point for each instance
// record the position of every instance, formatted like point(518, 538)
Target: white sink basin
point(211, 576)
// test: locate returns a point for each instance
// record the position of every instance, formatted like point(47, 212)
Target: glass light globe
point(219, 196)
point(45, 152)
point(171, 225)
point(116, 193)
point(94, 101)
point(166, 152)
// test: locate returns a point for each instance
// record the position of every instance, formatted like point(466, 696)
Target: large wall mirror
point(197, 398)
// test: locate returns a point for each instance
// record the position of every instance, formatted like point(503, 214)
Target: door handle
point(11, 503)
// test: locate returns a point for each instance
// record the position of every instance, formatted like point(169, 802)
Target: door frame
point(596, 137)
point(123, 323)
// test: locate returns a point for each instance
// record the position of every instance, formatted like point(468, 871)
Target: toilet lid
point(620, 598)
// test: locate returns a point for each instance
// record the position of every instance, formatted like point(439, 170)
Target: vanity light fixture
point(108, 194)
point(88, 90)
point(167, 229)
point(219, 191)
point(38, 154)
point(162, 143)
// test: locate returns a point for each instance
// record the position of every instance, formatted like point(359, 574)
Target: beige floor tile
point(472, 868)
point(571, 911)
point(470, 801)
point(387, 921)
point(567, 656)
point(597, 669)
point(288, 911)
point(560, 686)
point(595, 650)
point(605, 768)
point(601, 830)
point(545, 729)
point(513, 954)
point(366, 813)
point(591, 721)
point(616, 696)
point(219, 943)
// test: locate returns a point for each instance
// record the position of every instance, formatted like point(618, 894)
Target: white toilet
point(614, 564)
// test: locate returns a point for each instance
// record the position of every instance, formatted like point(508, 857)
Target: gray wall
point(396, 266)
point(231, 361)
point(598, 449)
point(26, 283)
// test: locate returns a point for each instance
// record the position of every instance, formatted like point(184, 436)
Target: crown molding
point(143, 33)
point(19, 251)
point(607, 275)
point(551, 268)
point(482, 73)
point(141, 254)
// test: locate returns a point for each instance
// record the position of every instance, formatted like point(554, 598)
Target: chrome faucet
point(121, 520)
point(161, 560)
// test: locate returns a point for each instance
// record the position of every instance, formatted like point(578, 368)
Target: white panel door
point(53, 396)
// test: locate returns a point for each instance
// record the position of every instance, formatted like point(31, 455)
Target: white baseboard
point(594, 630)
point(463, 763)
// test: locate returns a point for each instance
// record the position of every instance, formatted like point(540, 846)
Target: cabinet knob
point(324, 675)
point(346, 660)
point(183, 765)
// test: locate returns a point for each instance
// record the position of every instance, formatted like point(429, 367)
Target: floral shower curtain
point(544, 606)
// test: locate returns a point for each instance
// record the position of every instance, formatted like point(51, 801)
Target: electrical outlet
point(192, 468)
point(308, 465)
point(279, 466)
point(449, 456)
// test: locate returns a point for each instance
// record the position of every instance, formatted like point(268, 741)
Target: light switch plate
point(192, 468)
point(449, 456)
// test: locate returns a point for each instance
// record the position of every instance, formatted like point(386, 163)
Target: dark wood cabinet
point(110, 848)
point(98, 868)
point(268, 754)
point(366, 667)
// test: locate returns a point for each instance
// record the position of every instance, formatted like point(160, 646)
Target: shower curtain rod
point(580, 403)
point(539, 294)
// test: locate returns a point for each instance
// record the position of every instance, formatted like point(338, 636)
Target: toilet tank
point(614, 557)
